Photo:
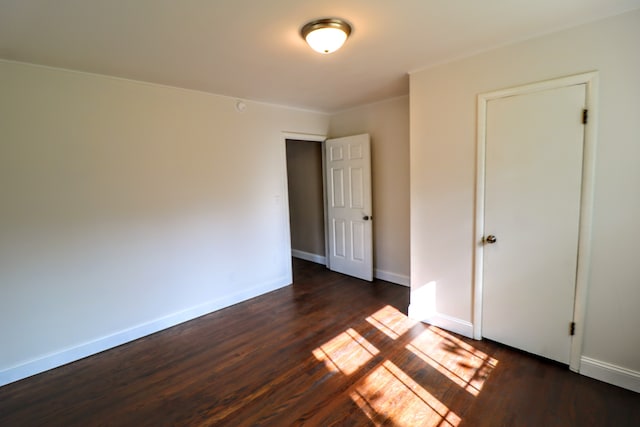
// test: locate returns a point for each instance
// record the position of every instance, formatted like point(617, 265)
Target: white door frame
point(317, 138)
point(586, 215)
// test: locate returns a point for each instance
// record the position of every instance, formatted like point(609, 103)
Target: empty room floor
point(327, 350)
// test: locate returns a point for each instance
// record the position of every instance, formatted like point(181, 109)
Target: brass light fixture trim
point(323, 24)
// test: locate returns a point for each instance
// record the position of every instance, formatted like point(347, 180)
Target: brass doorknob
point(491, 239)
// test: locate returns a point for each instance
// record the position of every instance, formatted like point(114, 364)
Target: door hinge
point(585, 116)
point(572, 328)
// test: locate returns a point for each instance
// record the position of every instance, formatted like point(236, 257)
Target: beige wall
point(127, 207)
point(306, 203)
point(443, 126)
point(388, 124)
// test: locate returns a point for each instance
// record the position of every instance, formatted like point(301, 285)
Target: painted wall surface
point(306, 202)
point(125, 203)
point(387, 123)
point(443, 155)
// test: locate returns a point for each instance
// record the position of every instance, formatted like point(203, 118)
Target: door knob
point(491, 239)
point(366, 217)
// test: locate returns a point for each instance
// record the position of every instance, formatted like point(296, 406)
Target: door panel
point(339, 239)
point(337, 188)
point(358, 232)
point(357, 190)
point(533, 165)
point(350, 237)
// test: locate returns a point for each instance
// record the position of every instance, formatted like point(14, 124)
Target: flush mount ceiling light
point(326, 35)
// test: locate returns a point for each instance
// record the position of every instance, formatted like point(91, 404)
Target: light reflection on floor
point(387, 394)
point(345, 353)
point(454, 358)
point(391, 322)
point(388, 387)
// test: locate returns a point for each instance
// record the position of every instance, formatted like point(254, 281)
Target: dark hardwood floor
point(329, 350)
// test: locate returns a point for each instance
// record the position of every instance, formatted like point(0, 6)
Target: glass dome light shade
point(326, 35)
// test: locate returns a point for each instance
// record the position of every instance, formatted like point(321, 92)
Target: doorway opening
point(305, 184)
point(340, 221)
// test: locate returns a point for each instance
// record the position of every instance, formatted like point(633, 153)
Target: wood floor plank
point(329, 350)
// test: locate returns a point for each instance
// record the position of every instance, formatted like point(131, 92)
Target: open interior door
point(349, 219)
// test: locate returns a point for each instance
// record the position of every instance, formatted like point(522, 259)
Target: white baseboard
point(319, 259)
point(398, 279)
point(83, 350)
point(612, 374)
point(442, 321)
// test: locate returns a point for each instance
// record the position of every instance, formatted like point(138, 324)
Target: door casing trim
point(314, 138)
point(590, 80)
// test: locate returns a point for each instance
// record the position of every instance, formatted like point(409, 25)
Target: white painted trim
point(398, 279)
point(388, 276)
point(369, 104)
point(479, 218)
point(440, 320)
point(299, 136)
point(590, 79)
point(325, 204)
point(54, 360)
point(586, 220)
point(286, 214)
point(308, 256)
point(583, 78)
point(609, 373)
point(546, 32)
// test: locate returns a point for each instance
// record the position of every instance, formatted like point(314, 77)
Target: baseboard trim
point(98, 345)
point(387, 276)
point(442, 321)
point(398, 279)
point(612, 374)
point(308, 256)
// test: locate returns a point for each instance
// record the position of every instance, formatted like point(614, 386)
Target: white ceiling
point(252, 49)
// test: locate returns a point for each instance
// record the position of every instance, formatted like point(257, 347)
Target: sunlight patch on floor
point(389, 394)
point(346, 353)
point(463, 364)
point(391, 322)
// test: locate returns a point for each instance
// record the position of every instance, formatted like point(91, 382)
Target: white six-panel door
point(348, 175)
point(533, 177)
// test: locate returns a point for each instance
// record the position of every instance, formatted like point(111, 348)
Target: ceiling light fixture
point(326, 35)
